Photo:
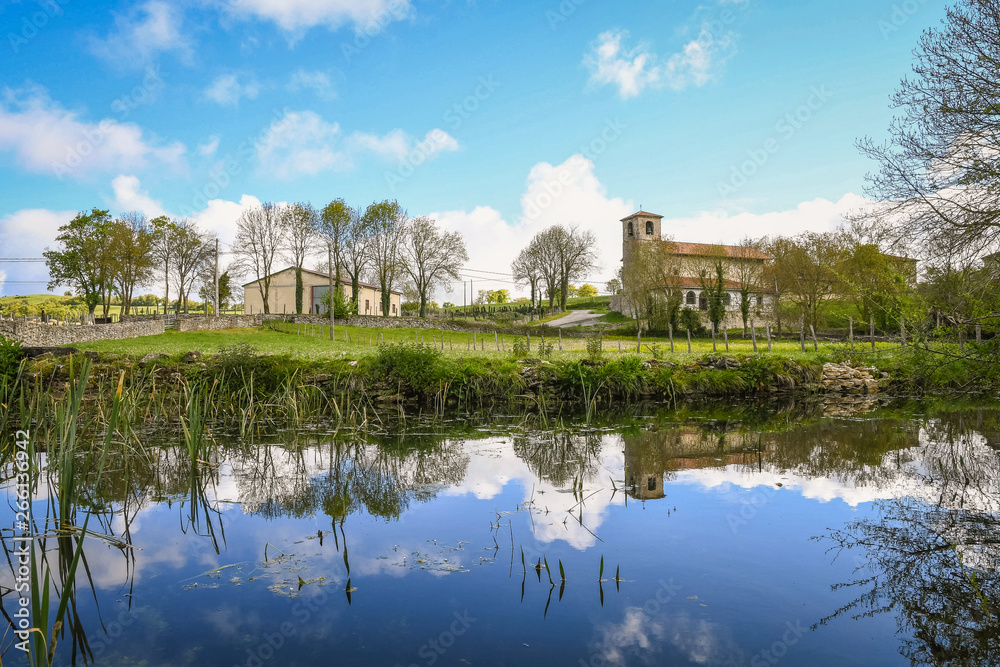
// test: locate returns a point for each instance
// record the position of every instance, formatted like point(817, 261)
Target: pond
point(701, 535)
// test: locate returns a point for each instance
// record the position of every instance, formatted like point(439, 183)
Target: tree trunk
point(299, 290)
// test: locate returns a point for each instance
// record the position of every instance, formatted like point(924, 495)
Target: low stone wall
point(844, 379)
point(388, 322)
point(33, 334)
point(201, 323)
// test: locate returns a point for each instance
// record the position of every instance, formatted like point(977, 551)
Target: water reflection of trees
point(560, 456)
point(935, 561)
point(343, 477)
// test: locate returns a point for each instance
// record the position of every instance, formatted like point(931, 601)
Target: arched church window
point(702, 302)
point(631, 232)
point(729, 298)
point(690, 298)
point(649, 228)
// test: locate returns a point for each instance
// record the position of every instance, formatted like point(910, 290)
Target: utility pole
point(216, 277)
point(329, 253)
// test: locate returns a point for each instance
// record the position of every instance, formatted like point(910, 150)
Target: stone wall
point(390, 322)
point(844, 379)
point(33, 334)
point(201, 323)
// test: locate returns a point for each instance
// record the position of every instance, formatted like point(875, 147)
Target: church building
point(687, 262)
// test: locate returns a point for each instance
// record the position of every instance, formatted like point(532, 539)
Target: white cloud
point(319, 82)
point(298, 15)
point(143, 33)
point(300, 143)
point(209, 148)
point(632, 70)
point(568, 193)
point(129, 196)
point(399, 146)
point(220, 216)
point(818, 215)
point(26, 233)
point(228, 89)
point(49, 139)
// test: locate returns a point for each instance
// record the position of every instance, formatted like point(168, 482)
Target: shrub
point(418, 368)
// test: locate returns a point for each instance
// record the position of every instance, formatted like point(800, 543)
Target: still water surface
point(726, 537)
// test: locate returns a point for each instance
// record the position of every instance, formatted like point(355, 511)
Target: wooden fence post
point(725, 336)
point(753, 335)
point(713, 336)
point(768, 338)
point(902, 331)
point(802, 333)
point(871, 329)
point(670, 330)
point(812, 330)
point(689, 341)
point(850, 331)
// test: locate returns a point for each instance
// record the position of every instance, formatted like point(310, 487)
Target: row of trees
point(104, 258)
point(379, 242)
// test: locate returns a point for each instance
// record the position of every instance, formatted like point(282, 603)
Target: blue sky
point(728, 117)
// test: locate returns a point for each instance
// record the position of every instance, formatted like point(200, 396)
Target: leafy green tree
point(806, 269)
point(335, 227)
point(83, 261)
point(874, 282)
point(713, 287)
point(131, 242)
point(207, 291)
point(301, 223)
point(388, 223)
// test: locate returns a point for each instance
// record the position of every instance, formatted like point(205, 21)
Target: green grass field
point(309, 342)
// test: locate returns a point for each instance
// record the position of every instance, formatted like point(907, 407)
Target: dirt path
point(585, 318)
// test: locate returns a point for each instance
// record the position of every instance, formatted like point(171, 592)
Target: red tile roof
point(709, 249)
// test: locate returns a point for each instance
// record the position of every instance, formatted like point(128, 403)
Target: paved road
point(577, 318)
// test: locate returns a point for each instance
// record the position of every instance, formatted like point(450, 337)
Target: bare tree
point(544, 254)
point(432, 257)
point(527, 269)
point(575, 251)
point(938, 184)
point(652, 286)
point(260, 236)
point(747, 267)
point(388, 224)
point(301, 223)
point(163, 230)
point(192, 249)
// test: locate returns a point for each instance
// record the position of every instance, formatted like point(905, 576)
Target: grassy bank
point(250, 379)
point(308, 342)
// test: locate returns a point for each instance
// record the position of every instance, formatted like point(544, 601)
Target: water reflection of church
point(653, 457)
